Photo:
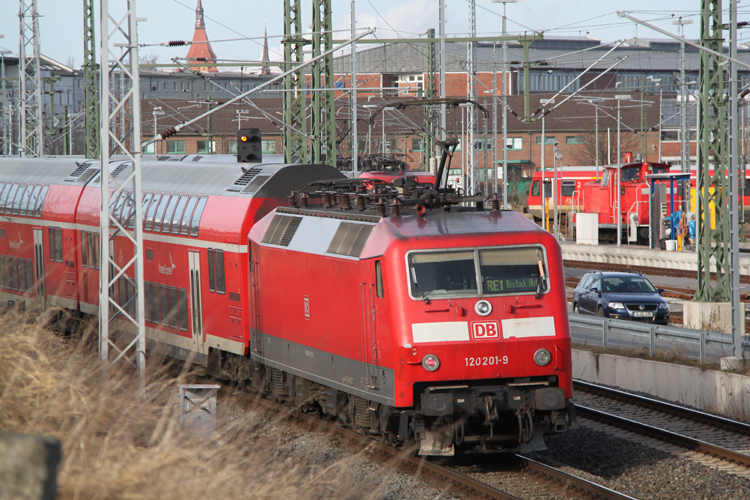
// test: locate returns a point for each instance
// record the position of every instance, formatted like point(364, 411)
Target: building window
point(481, 145)
point(574, 139)
point(268, 147)
point(514, 143)
point(547, 139)
point(670, 135)
point(231, 147)
point(175, 147)
point(416, 145)
point(149, 150)
point(207, 147)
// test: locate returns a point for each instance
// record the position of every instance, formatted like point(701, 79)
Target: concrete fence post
point(652, 335)
point(605, 334)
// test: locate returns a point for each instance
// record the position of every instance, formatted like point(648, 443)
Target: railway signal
point(248, 146)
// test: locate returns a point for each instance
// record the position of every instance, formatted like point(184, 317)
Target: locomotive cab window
point(500, 271)
point(631, 174)
point(442, 273)
point(513, 270)
point(379, 280)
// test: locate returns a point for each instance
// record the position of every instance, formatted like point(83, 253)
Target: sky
point(61, 22)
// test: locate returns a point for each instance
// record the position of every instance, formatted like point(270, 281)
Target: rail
point(652, 332)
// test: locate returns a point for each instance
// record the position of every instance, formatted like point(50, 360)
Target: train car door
point(196, 300)
point(39, 288)
point(369, 290)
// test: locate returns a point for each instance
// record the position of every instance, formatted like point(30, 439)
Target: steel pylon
point(295, 144)
point(31, 134)
point(124, 269)
point(323, 121)
point(90, 84)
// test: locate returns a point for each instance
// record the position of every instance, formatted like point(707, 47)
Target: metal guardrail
point(609, 325)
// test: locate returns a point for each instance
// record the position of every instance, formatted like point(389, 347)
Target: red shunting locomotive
point(413, 318)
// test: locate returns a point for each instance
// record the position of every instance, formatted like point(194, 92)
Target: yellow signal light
point(243, 138)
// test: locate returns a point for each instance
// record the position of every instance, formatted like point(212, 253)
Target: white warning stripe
point(529, 327)
point(451, 331)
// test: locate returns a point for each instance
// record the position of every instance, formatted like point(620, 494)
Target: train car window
point(160, 212)
point(25, 199)
point(29, 275)
point(379, 279)
point(605, 178)
point(535, 188)
point(84, 257)
point(6, 272)
point(187, 215)
point(4, 196)
point(94, 250)
point(34, 200)
point(195, 223)
point(121, 291)
point(58, 244)
point(169, 214)
point(2, 232)
point(567, 188)
point(14, 274)
point(513, 270)
point(117, 213)
point(155, 309)
point(40, 202)
point(16, 205)
point(164, 297)
point(151, 211)
point(2, 190)
point(211, 278)
point(174, 309)
point(220, 282)
point(144, 209)
point(183, 310)
point(177, 219)
point(21, 275)
point(9, 200)
point(52, 244)
point(147, 301)
point(128, 213)
point(442, 273)
point(548, 189)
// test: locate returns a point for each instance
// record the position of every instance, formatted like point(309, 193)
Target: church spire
point(199, 23)
point(264, 58)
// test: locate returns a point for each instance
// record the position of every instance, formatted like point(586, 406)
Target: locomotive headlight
point(542, 357)
point(483, 308)
point(430, 362)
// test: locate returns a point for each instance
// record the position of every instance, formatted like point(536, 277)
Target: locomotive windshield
point(499, 271)
point(631, 174)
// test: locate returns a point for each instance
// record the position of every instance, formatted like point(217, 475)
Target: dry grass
point(116, 446)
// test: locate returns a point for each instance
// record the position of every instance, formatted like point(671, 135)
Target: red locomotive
point(570, 181)
point(401, 313)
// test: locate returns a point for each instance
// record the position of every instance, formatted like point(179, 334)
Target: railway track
point(708, 435)
point(526, 479)
point(657, 271)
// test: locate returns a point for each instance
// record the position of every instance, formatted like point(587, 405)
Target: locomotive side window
point(34, 200)
point(442, 273)
point(379, 280)
point(159, 216)
point(512, 270)
point(631, 174)
point(220, 282)
point(29, 274)
point(535, 188)
point(177, 219)
point(605, 178)
point(195, 223)
point(84, 257)
point(183, 310)
point(144, 209)
point(40, 202)
point(164, 297)
point(58, 244)
point(167, 222)
point(52, 244)
point(11, 197)
point(185, 224)
point(151, 212)
point(25, 199)
point(94, 250)
point(4, 197)
point(211, 278)
point(14, 274)
point(147, 301)
point(155, 309)
point(174, 320)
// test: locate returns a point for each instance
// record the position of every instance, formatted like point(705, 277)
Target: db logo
point(484, 330)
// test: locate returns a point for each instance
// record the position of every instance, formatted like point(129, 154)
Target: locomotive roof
point(211, 178)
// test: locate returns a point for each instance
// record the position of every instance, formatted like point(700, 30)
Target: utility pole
point(505, 104)
point(471, 58)
point(355, 135)
point(684, 129)
point(738, 309)
point(90, 84)
point(442, 69)
point(322, 123)
point(31, 136)
point(114, 269)
point(430, 89)
point(5, 105)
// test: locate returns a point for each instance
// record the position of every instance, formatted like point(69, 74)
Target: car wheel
point(600, 311)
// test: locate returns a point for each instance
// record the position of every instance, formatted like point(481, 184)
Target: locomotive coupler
point(490, 411)
point(525, 416)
